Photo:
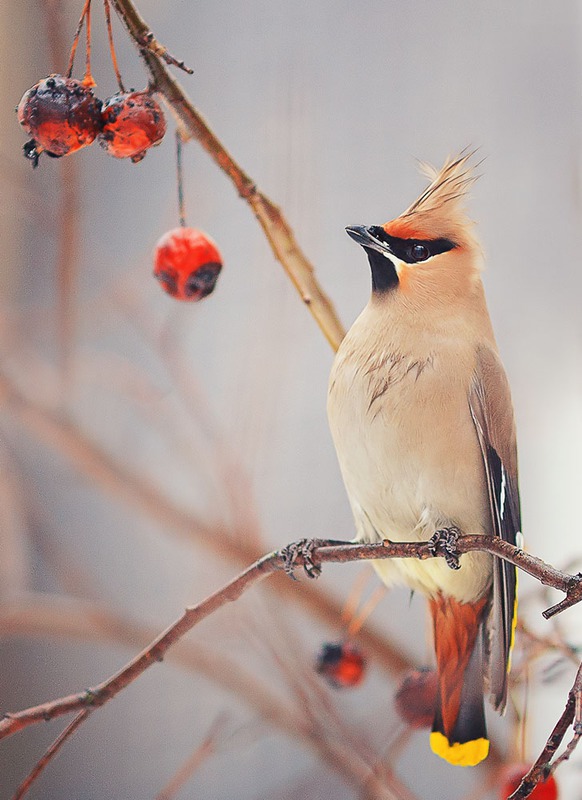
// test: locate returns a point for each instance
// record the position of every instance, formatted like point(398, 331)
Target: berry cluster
point(62, 115)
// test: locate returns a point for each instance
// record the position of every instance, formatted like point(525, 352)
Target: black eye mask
point(412, 251)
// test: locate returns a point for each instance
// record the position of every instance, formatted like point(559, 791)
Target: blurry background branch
point(72, 618)
point(146, 498)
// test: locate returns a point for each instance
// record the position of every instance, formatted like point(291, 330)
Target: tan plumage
point(420, 413)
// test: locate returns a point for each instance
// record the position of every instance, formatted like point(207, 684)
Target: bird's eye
point(418, 252)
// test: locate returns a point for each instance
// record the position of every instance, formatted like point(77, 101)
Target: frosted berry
point(415, 698)
point(548, 790)
point(132, 122)
point(342, 664)
point(187, 263)
point(61, 115)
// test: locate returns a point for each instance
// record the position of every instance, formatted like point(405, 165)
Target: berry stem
point(180, 175)
point(112, 46)
point(76, 38)
point(88, 79)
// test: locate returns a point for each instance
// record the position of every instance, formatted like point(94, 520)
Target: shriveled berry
point(415, 698)
point(547, 790)
point(60, 114)
point(187, 263)
point(132, 122)
point(342, 664)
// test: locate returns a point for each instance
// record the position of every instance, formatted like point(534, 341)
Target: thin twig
point(76, 38)
point(274, 225)
point(145, 39)
point(549, 643)
point(88, 79)
point(202, 752)
point(112, 45)
point(49, 754)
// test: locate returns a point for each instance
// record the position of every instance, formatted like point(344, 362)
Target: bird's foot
point(444, 543)
point(304, 550)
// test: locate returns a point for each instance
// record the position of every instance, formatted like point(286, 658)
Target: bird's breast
point(405, 437)
point(410, 458)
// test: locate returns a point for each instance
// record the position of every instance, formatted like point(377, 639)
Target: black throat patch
point(384, 275)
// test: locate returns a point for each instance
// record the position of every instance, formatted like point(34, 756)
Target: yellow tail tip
point(465, 754)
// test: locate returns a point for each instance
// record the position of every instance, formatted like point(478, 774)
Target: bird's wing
point(491, 408)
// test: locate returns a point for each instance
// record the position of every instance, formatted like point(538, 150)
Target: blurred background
point(150, 449)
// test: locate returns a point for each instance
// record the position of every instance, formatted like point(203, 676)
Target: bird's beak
point(365, 236)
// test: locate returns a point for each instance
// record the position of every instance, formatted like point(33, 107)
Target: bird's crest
point(448, 186)
point(440, 208)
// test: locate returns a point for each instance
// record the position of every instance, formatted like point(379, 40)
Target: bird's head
point(428, 252)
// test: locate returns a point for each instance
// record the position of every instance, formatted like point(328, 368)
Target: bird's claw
point(444, 542)
point(303, 549)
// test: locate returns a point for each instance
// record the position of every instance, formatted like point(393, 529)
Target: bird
point(421, 416)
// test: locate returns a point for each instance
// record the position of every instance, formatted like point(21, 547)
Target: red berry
point(132, 122)
point(415, 698)
point(548, 790)
point(61, 114)
point(187, 263)
point(342, 664)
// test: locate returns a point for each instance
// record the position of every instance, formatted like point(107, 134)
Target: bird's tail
point(459, 734)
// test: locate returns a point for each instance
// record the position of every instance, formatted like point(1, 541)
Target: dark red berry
point(132, 122)
point(342, 664)
point(187, 263)
point(61, 115)
point(548, 790)
point(415, 698)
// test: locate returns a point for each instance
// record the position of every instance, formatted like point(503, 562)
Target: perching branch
point(279, 561)
point(275, 227)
